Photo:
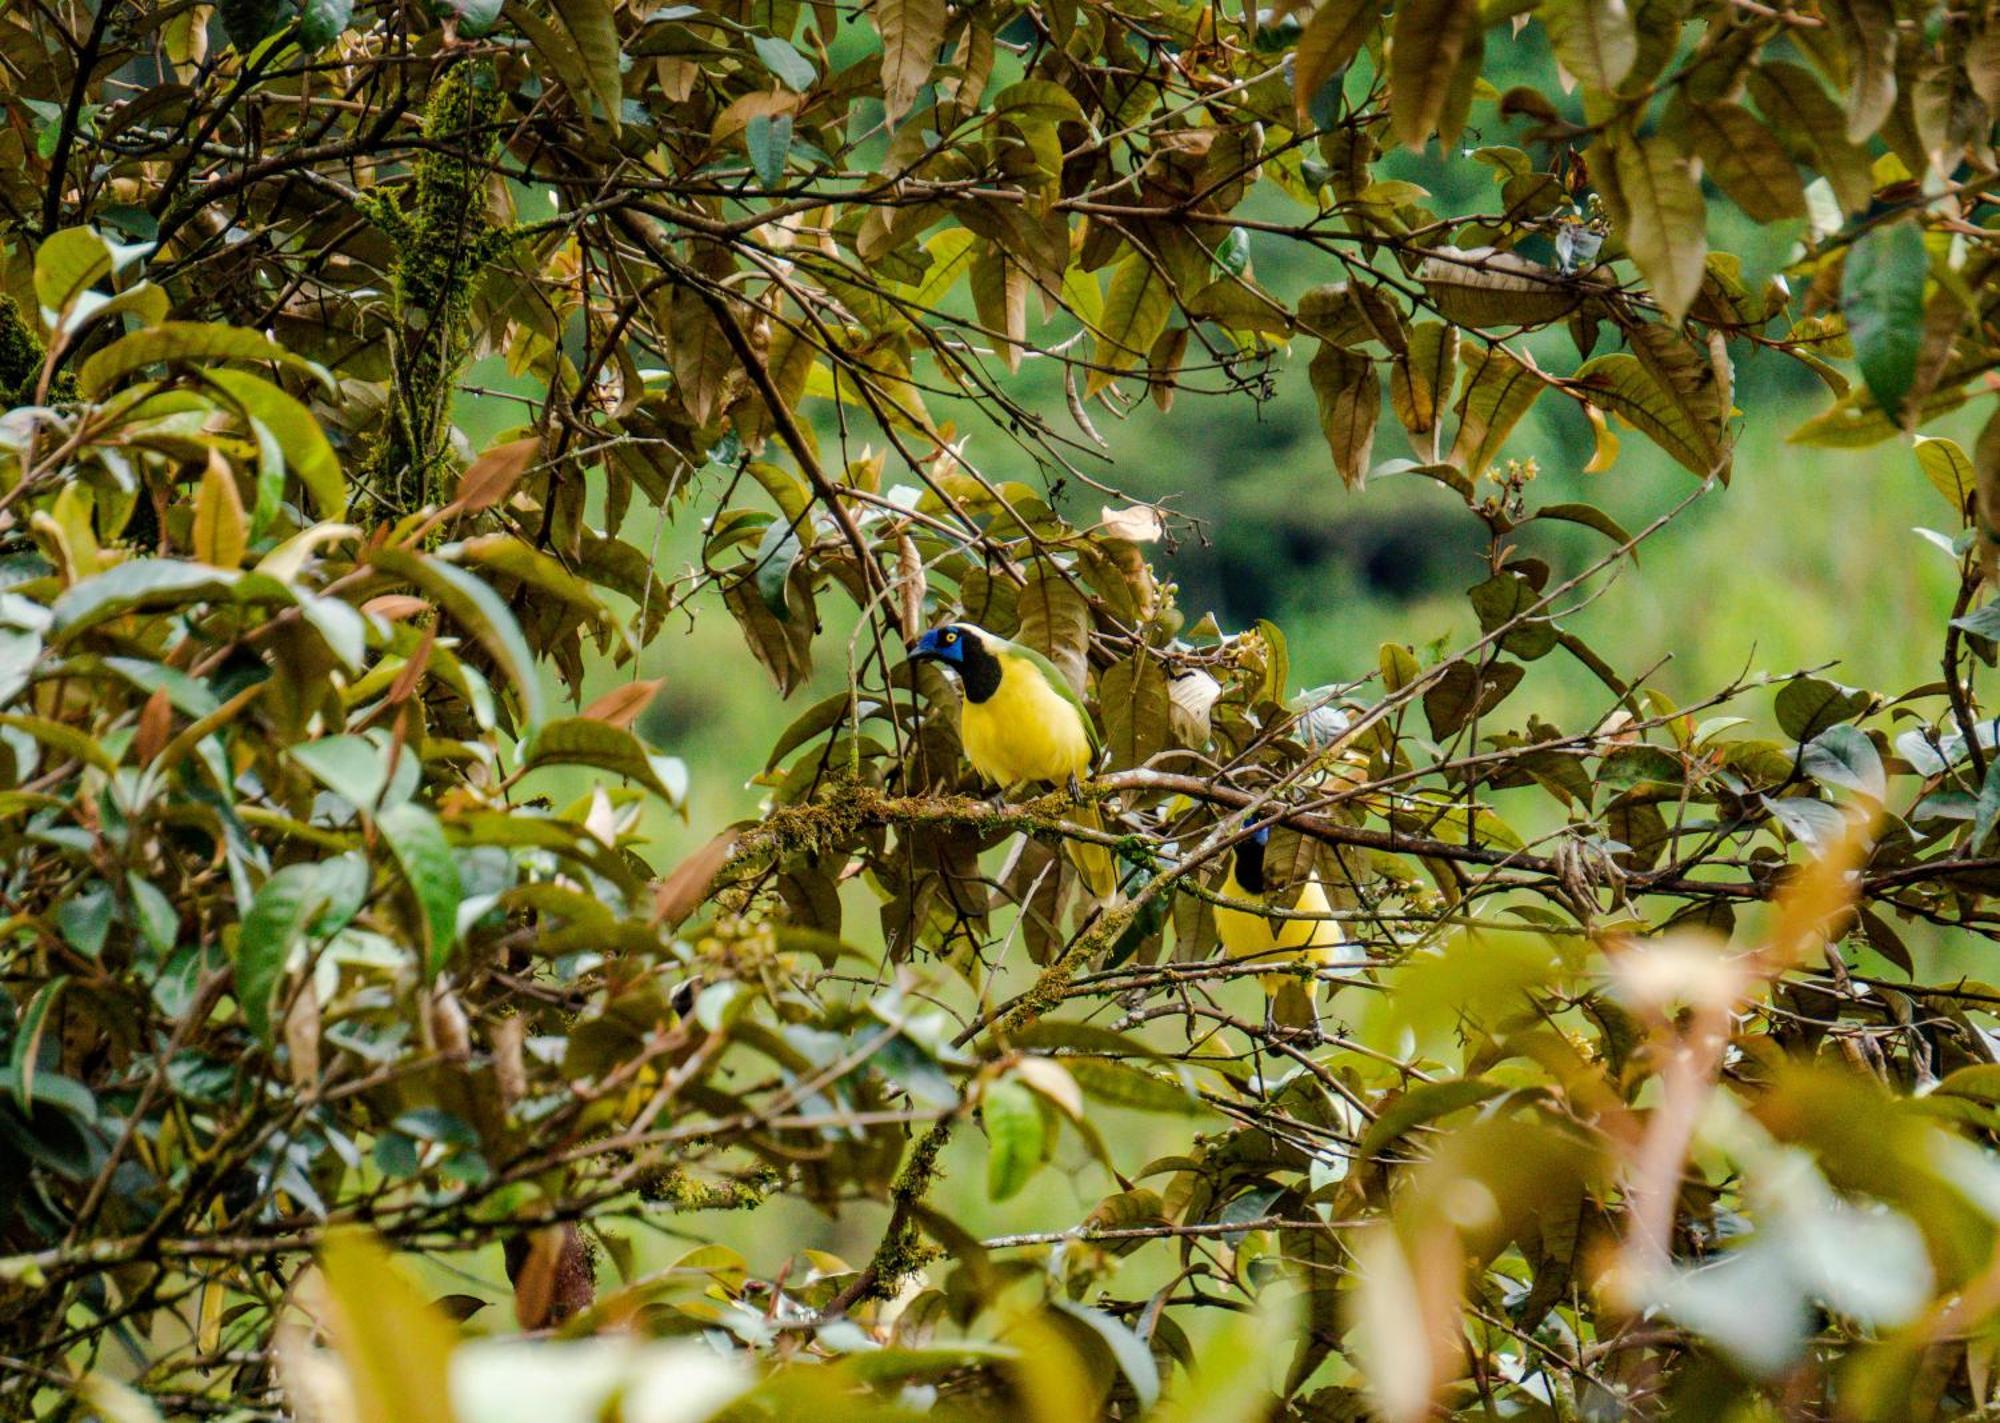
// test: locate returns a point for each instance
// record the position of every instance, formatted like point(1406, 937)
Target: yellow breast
point(1248, 933)
point(1025, 731)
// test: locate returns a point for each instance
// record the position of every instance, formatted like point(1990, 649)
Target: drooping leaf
point(1349, 393)
point(912, 31)
point(592, 29)
point(1014, 1136)
point(1497, 392)
point(430, 871)
point(1329, 42)
point(580, 741)
point(1882, 295)
point(1594, 39)
point(1664, 221)
point(1431, 36)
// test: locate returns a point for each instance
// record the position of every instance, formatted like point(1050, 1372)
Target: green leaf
point(396, 1346)
point(323, 21)
point(591, 26)
point(1664, 222)
point(1038, 101)
point(1136, 309)
point(778, 553)
point(139, 583)
point(476, 18)
point(476, 608)
point(1949, 470)
point(1882, 295)
point(1806, 706)
point(1135, 1360)
point(1014, 1137)
point(25, 1056)
point(1844, 756)
point(417, 839)
point(352, 767)
point(188, 343)
point(1121, 1084)
point(768, 141)
point(1668, 416)
point(579, 741)
point(307, 452)
point(284, 906)
point(787, 65)
point(67, 264)
point(1988, 809)
point(1431, 36)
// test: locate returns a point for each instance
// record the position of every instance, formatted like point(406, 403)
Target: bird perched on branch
point(1251, 935)
point(1022, 723)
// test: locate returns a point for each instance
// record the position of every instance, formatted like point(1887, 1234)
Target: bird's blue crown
point(1261, 835)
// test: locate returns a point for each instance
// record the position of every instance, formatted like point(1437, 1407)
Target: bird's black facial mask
point(1250, 860)
point(965, 654)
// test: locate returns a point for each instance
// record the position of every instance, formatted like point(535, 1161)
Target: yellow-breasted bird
point(1251, 934)
point(1022, 723)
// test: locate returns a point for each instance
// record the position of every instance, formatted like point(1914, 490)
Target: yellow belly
point(1025, 731)
point(1247, 934)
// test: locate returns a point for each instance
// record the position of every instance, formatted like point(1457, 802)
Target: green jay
point(1250, 934)
point(1022, 723)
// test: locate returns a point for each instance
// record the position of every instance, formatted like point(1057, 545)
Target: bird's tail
point(1095, 864)
point(1294, 1002)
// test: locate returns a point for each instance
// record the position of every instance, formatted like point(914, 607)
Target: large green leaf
point(590, 25)
point(1882, 295)
point(1136, 309)
point(284, 906)
point(396, 1347)
point(430, 871)
point(476, 608)
point(188, 343)
point(1014, 1136)
point(307, 452)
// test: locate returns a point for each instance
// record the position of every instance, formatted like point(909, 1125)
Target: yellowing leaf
point(1498, 391)
point(1430, 38)
point(221, 529)
point(1664, 221)
point(1350, 401)
point(1136, 309)
point(912, 31)
point(1332, 37)
point(1594, 39)
point(396, 1347)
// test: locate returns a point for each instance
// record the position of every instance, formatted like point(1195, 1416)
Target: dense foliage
point(331, 929)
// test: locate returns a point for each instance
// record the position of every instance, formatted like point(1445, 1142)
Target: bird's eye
point(951, 637)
